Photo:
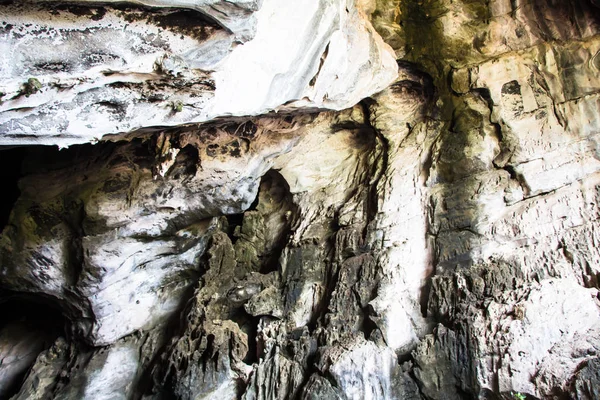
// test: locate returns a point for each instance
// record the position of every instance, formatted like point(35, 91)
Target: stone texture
point(74, 372)
point(237, 16)
point(19, 347)
point(73, 74)
point(438, 240)
point(512, 186)
point(85, 243)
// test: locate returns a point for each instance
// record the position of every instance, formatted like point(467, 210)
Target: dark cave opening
point(10, 171)
point(29, 324)
point(17, 162)
point(233, 221)
point(186, 163)
point(248, 324)
point(34, 310)
point(275, 200)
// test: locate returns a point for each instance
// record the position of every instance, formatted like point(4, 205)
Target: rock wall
point(80, 70)
point(425, 228)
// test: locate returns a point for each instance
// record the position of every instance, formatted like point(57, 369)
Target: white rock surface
point(71, 78)
point(406, 250)
point(553, 316)
point(364, 371)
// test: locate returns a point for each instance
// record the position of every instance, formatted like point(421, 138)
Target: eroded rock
point(100, 69)
point(438, 240)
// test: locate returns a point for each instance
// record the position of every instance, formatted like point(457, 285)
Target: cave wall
point(433, 235)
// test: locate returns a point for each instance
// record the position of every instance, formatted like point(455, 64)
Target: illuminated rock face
point(76, 73)
point(433, 235)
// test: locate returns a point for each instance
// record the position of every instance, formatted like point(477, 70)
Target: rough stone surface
point(437, 240)
point(237, 16)
point(75, 73)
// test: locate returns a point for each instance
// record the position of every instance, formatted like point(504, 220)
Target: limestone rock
point(72, 372)
point(19, 347)
point(437, 240)
point(237, 16)
point(44, 376)
point(75, 74)
point(363, 371)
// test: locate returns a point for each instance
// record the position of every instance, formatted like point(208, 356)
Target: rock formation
point(332, 199)
point(81, 70)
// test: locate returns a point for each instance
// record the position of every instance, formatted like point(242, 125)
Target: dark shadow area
point(29, 324)
point(186, 21)
point(10, 172)
point(248, 324)
point(234, 221)
point(43, 159)
point(275, 201)
point(186, 163)
point(561, 19)
point(36, 310)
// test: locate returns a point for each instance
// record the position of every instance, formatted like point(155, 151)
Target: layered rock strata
point(77, 71)
point(437, 240)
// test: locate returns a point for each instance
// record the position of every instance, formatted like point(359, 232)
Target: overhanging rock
point(75, 73)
